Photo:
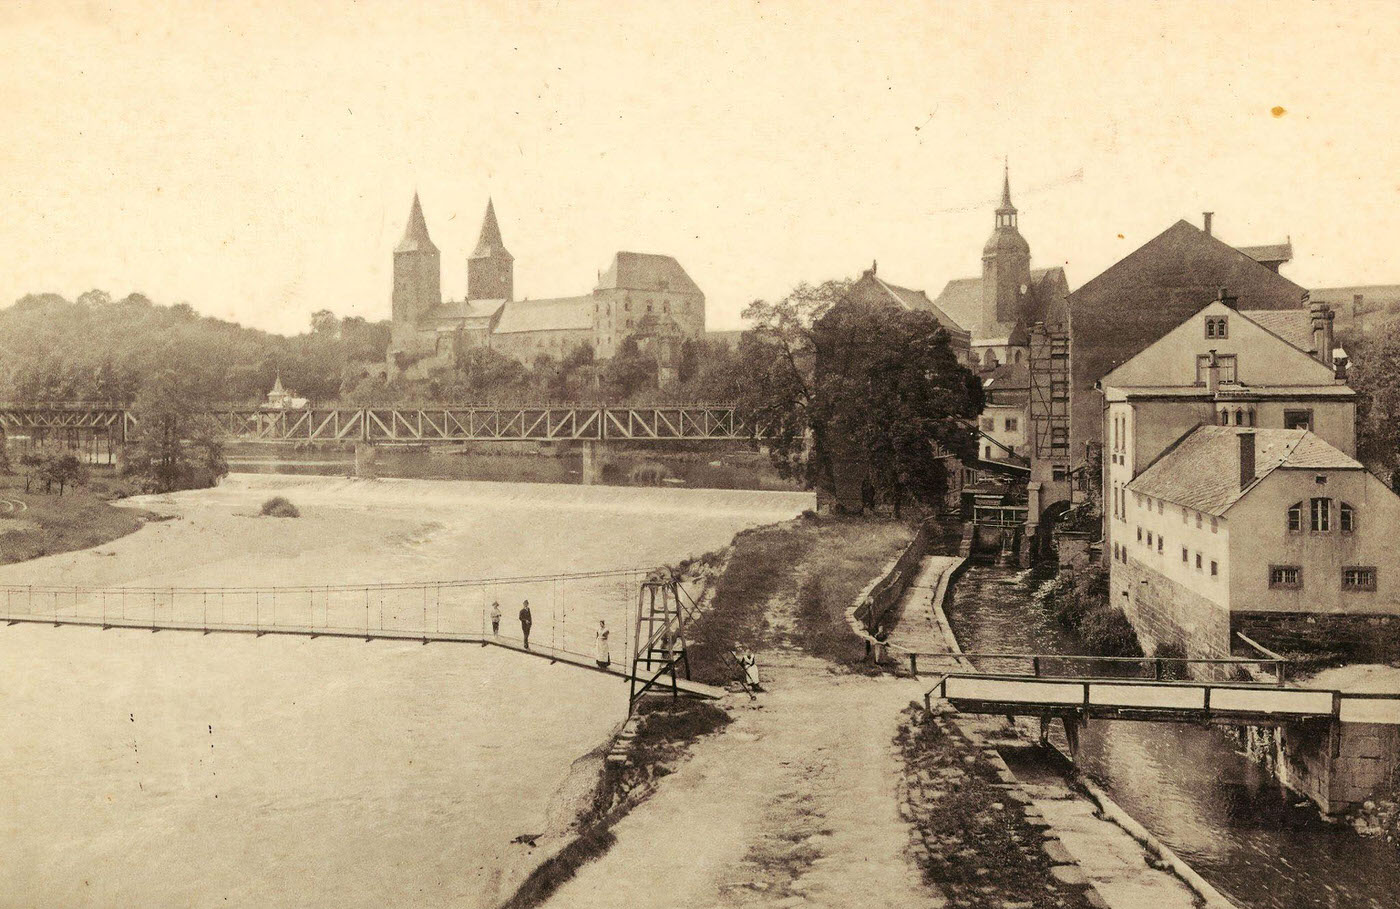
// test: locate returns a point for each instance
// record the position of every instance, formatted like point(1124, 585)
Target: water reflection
point(1259, 844)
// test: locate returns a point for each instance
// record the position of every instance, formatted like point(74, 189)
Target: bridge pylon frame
point(659, 643)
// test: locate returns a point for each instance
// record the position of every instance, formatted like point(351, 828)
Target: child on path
point(496, 617)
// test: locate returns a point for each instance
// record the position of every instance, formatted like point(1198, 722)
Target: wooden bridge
point(407, 424)
point(1221, 703)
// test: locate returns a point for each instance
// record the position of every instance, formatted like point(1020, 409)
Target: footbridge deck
point(1222, 703)
point(424, 612)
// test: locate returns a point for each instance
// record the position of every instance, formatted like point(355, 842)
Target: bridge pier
point(591, 468)
point(365, 456)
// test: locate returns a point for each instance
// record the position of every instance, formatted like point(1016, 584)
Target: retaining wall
point(1358, 638)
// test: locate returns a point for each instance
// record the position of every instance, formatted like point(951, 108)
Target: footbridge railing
point(1231, 703)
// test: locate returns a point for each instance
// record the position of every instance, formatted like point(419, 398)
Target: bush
point(279, 507)
point(1079, 601)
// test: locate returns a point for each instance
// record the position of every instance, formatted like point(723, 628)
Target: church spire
point(1006, 205)
point(490, 243)
point(415, 234)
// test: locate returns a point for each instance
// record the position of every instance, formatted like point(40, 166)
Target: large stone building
point(1233, 500)
point(642, 295)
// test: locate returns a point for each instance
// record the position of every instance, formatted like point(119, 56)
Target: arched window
point(1239, 417)
point(1348, 515)
point(1018, 356)
point(1224, 418)
point(1295, 516)
point(1250, 413)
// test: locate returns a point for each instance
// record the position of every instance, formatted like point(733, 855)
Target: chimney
point(1207, 217)
point(1321, 315)
point(1223, 296)
point(1246, 458)
point(1213, 375)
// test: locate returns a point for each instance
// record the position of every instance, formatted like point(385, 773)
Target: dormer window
point(1217, 327)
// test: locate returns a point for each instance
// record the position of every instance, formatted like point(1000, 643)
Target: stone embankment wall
point(1358, 638)
point(1339, 766)
point(880, 602)
point(1164, 612)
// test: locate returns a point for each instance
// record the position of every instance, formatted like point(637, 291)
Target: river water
point(1259, 844)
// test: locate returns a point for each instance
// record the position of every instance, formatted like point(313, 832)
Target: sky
point(257, 159)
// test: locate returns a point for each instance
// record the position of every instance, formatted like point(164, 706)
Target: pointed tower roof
point(277, 386)
point(415, 235)
point(490, 243)
point(1006, 206)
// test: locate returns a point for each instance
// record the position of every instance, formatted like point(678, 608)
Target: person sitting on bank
point(600, 645)
point(496, 617)
point(525, 622)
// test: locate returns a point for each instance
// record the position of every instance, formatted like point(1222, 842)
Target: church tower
point(1006, 267)
point(490, 268)
point(417, 270)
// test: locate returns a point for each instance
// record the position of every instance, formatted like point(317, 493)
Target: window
point(1225, 362)
point(1149, 538)
point(1348, 518)
point(1012, 423)
point(1059, 390)
point(1285, 577)
point(1139, 533)
point(1218, 327)
point(1214, 525)
point(1224, 418)
point(1059, 472)
point(1184, 554)
point(627, 306)
point(1059, 438)
point(1161, 506)
point(1295, 517)
point(1214, 569)
point(1297, 419)
point(1321, 515)
point(1198, 561)
point(1160, 541)
point(989, 423)
point(987, 456)
point(1198, 520)
point(1357, 578)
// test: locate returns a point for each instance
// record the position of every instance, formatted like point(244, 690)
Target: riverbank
point(33, 524)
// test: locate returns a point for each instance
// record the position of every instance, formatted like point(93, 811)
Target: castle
point(641, 295)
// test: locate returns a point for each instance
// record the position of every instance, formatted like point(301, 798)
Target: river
point(1261, 845)
point(176, 769)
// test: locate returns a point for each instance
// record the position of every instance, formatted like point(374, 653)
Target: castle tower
point(1006, 267)
point(417, 270)
point(490, 268)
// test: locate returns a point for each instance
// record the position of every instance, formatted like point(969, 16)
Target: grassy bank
point(665, 731)
point(33, 524)
point(812, 567)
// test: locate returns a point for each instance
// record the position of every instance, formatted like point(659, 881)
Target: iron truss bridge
point(468, 423)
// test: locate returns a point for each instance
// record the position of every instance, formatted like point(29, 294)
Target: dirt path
point(792, 806)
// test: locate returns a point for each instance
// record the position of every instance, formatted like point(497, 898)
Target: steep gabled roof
point(646, 271)
point(415, 235)
point(961, 299)
point(871, 287)
point(1292, 325)
point(560, 314)
point(1270, 253)
point(1202, 471)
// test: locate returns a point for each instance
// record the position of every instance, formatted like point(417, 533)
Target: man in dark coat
point(525, 623)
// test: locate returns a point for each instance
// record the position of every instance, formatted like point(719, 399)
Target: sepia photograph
point(750, 454)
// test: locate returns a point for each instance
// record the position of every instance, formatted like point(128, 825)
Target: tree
point(857, 395)
point(175, 451)
point(324, 322)
point(628, 372)
point(1374, 372)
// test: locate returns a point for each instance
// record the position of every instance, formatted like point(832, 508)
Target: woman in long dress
point(600, 645)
